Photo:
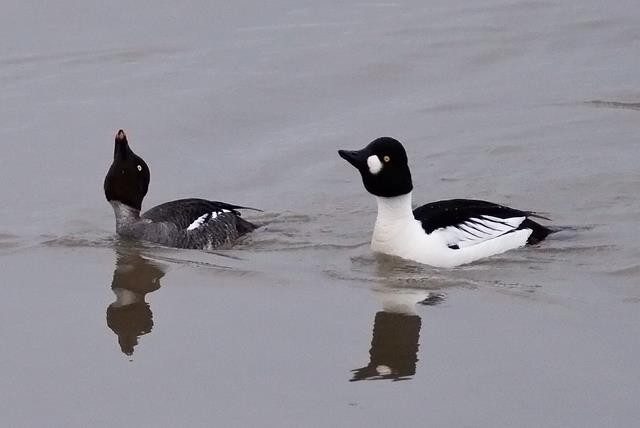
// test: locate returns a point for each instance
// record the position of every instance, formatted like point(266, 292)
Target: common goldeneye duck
point(185, 223)
point(441, 234)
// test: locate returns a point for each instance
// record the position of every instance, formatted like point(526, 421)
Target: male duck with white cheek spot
point(441, 234)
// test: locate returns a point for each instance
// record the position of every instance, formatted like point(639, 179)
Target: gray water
point(527, 103)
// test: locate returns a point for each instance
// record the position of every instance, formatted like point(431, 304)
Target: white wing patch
point(205, 218)
point(479, 229)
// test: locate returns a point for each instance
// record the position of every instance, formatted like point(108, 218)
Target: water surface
point(527, 103)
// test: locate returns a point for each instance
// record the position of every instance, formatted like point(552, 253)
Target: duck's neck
point(125, 215)
point(394, 209)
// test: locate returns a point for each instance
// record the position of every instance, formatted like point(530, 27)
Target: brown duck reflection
point(130, 316)
point(396, 335)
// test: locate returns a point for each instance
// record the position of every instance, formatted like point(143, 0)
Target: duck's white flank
point(398, 233)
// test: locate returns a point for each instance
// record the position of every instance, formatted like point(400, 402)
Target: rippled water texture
point(533, 104)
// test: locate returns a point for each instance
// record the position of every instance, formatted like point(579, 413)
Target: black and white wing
point(190, 214)
point(466, 222)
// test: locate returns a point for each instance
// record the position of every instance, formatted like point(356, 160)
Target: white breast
point(407, 239)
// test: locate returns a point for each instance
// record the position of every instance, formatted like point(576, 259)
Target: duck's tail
point(245, 226)
point(539, 232)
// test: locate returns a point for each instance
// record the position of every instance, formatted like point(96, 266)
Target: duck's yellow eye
point(386, 159)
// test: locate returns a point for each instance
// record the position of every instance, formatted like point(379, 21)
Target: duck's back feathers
point(466, 222)
point(184, 212)
point(192, 223)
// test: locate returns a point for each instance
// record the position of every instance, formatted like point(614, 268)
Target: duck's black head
point(383, 166)
point(128, 178)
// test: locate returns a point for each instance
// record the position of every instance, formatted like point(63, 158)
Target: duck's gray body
point(185, 223)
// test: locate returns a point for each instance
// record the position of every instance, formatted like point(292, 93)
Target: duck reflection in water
point(130, 315)
point(396, 335)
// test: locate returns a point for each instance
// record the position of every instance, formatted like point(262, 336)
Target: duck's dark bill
point(357, 158)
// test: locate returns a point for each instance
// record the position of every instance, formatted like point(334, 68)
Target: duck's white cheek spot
point(374, 164)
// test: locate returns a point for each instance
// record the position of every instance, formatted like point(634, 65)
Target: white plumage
point(480, 229)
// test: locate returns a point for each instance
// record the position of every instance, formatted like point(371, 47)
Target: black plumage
point(183, 212)
point(456, 212)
